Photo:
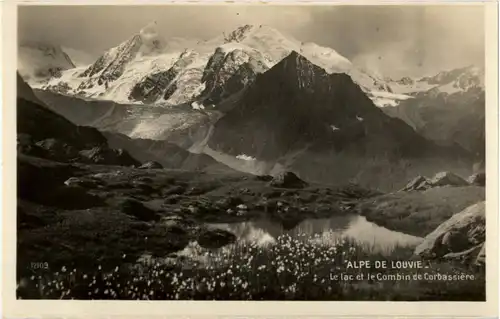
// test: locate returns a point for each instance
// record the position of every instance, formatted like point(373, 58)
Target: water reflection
point(323, 231)
point(326, 232)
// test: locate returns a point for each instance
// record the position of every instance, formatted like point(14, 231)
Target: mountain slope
point(296, 113)
point(31, 115)
point(167, 154)
point(115, 120)
point(448, 108)
point(448, 119)
point(43, 133)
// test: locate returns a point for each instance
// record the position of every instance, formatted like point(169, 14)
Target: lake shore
point(419, 212)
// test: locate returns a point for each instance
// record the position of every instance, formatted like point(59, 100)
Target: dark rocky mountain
point(44, 133)
point(302, 118)
point(225, 75)
point(41, 123)
point(161, 84)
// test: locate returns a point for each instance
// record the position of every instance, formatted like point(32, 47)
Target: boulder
point(417, 184)
point(215, 238)
point(82, 182)
point(136, 209)
point(151, 165)
point(421, 183)
point(458, 236)
point(447, 179)
point(264, 178)
point(287, 180)
point(478, 179)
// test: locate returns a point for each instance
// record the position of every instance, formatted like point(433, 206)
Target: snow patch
point(381, 102)
point(390, 95)
point(246, 157)
point(334, 128)
point(387, 99)
point(197, 106)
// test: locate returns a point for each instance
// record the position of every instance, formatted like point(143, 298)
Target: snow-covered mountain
point(147, 69)
point(459, 80)
point(452, 81)
point(38, 62)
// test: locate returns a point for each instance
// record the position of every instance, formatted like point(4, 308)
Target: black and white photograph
point(251, 152)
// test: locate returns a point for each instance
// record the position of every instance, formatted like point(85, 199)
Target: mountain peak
point(151, 39)
point(297, 61)
point(261, 31)
point(300, 70)
point(296, 56)
point(239, 33)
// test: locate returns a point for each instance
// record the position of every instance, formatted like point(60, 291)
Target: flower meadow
point(300, 268)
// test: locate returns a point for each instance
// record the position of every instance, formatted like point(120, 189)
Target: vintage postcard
point(250, 159)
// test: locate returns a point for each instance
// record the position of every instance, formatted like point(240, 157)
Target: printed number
point(39, 265)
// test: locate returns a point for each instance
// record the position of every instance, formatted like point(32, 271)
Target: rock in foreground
point(417, 184)
point(151, 165)
point(421, 183)
point(460, 237)
point(447, 179)
point(136, 209)
point(287, 180)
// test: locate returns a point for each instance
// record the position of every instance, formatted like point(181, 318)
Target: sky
point(391, 41)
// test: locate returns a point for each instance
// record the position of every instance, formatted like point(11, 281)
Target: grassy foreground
point(291, 269)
